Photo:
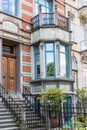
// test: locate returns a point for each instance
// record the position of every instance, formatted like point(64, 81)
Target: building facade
point(43, 45)
point(35, 46)
point(76, 12)
point(15, 52)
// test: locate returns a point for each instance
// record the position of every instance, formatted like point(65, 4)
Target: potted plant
point(52, 98)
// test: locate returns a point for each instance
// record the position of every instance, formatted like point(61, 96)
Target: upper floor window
point(64, 61)
point(50, 59)
point(46, 5)
point(85, 78)
point(10, 7)
point(72, 25)
point(83, 31)
point(74, 63)
point(82, 3)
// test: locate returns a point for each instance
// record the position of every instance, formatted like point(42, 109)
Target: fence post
point(23, 126)
point(56, 16)
point(47, 118)
point(40, 15)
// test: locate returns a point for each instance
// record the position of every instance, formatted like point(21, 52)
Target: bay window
point(10, 7)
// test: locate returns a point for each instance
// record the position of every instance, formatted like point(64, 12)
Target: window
point(83, 35)
point(74, 74)
point(10, 7)
point(7, 49)
point(64, 61)
point(50, 59)
point(74, 63)
point(74, 71)
point(72, 28)
point(82, 31)
point(72, 25)
point(37, 62)
point(82, 3)
point(46, 6)
point(85, 78)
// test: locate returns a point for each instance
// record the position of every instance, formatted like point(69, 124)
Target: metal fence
point(58, 116)
point(39, 115)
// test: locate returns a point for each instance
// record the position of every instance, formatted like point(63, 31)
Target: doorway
point(9, 68)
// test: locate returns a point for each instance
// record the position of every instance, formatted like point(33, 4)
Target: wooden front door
point(9, 73)
point(9, 67)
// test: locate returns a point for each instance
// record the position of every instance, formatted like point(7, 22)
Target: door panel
point(9, 72)
point(4, 71)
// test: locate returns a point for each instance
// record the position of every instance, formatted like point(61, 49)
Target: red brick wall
point(60, 6)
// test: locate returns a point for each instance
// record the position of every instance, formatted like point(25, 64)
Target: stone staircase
point(6, 120)
point(34, 121)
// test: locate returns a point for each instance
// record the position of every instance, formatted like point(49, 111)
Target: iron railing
point(44, 19)
point(64, 117)
point(47, 115)
point(11, 104)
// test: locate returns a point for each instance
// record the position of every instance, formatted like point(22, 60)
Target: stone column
point(0, 65)
point(57, 60)
point(19, 69)
point(70, 61)
point(42, 62)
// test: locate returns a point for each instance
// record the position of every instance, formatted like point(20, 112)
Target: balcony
point(49, 19)
point(49, 27)
point(83, 8)
point(83, 45)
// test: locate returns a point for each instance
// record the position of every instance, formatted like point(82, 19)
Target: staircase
point(33, 120)
point(19, 106)
point(6, 120)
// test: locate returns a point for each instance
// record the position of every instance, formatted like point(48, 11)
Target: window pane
point(37, 49)
point(63, 65)
point(37, 62)
point(42, 2)
point(38, 66)
point(45, 6)
point(36, 8)
point(43, 9)
point(10, 6)
point(62, 48)
point(74, 74)
point(5, 5)
point(49, 47)
point(50, 64)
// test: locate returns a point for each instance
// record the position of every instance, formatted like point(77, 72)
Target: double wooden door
point(9, 73)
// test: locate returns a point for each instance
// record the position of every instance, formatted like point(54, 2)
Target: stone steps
point(6, 120)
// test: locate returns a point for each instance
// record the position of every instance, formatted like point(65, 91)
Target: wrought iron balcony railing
point(44, 19)
point(83, 45)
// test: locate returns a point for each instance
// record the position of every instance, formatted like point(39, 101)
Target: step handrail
point(13, 107)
